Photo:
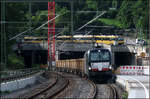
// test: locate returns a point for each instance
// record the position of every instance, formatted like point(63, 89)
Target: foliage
point(126, 14)
point(125, 95)
point(114, 3)
point(36, 65)
point(134, 14)
point(15, 12)
point(19, 9)
point(5, 92)
point(111, 22)
point(91, 4)
point(15, 62)
point(63, 19)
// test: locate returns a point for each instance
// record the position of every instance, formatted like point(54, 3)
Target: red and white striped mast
point(51, 31)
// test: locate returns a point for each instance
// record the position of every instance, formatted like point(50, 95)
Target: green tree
point(92, 4)
point(15, 62)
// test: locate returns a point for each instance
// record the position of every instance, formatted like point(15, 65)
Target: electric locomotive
point(97, 62)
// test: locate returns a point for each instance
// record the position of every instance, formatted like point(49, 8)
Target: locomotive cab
point(97, 62)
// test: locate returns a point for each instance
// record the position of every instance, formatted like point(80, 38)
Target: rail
point(93, 90)
point(48, 89)
point(114, 91)
point(106, 91)
point(77, 88)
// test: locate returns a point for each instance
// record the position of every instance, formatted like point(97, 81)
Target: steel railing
point(12, 74)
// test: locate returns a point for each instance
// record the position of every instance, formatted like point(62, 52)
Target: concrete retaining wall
point(123, 83)
point(146, 70)
point(136, 86)
point(17, 84)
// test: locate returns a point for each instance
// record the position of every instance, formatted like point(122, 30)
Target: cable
point(77, 39)
point(91, 21)
point(85, 25)
point(32, 29)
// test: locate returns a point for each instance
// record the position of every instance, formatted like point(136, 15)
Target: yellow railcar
point(110, 40)
point(104, 39)
point(32, 39)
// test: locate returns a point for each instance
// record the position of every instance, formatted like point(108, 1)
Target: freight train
point(95, 64)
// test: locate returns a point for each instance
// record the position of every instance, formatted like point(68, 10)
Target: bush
point(15, 62)
point(125, 95)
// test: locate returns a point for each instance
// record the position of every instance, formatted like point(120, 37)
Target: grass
point(125, 95)
point(5, 92)
point(4, 74)
point(112, 22)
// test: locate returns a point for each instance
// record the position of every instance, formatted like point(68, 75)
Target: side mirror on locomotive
point(97, 61)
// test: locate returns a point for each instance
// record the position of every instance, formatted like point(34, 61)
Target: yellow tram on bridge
point(103, 39)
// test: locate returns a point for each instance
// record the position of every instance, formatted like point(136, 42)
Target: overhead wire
point(77, 39)
point(60, 32)
point(32, 29)
point(85, 25)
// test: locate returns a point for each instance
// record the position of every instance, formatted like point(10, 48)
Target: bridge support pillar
point(57, 55)
point(113, 59)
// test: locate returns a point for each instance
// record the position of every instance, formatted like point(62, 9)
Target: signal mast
point(51, 33)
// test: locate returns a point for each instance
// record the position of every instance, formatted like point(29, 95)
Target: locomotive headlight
point(110, 67)
point(89, 68)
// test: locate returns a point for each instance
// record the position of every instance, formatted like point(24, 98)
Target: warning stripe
point(132, 70)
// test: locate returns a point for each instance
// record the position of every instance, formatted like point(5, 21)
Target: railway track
point(77, 88)
point(114, 93)
point(66, 85)
point(48, 89)
point(106, 91)
point(84, 88)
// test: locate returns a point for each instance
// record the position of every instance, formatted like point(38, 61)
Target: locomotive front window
point(99, 56)
point(95, 56)
point(104, 56)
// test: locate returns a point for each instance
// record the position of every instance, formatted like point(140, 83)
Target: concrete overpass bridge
point(121, 54)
